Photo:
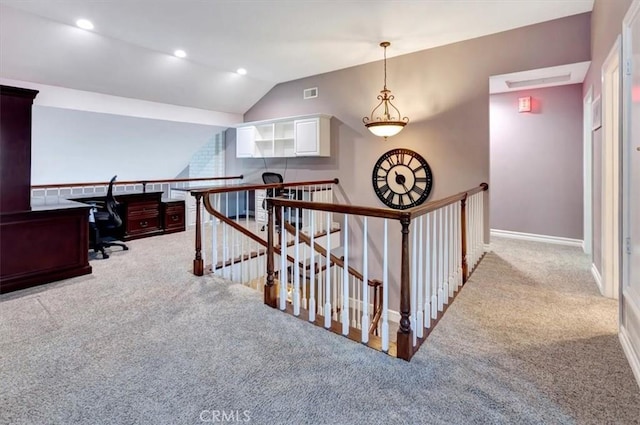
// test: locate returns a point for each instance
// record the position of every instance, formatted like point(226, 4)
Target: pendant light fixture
point(385, 119)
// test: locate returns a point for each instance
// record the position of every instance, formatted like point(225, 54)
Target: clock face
point(402, 179)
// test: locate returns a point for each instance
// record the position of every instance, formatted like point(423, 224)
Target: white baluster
point(385, 291)
point(283, 262)
point(474, 232)
point(440, 261)
point(452, 252)
point(225, 245)
point(312, 269)
point(355, 308)
point(345, 278)
point(481, 227)
point(365, 284)
point(303, 276)
point(434, 265)
point(203, 211)
point(420, 299)
point(428, 267)
point(445, 259)
point(414, 280)
point(327, 283)
point(238, 236)
point(336, 291)
point(296, 268)
point(214, 241)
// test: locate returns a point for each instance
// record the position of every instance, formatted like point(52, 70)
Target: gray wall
point(70, 146)
point(606, 25)
point(445, 93)
point(536, 162)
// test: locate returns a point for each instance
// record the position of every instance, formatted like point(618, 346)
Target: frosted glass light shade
point(386, 129)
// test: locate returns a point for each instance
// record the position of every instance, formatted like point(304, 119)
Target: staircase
point(339, 266)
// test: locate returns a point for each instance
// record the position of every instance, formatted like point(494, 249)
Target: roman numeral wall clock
point(402, 179)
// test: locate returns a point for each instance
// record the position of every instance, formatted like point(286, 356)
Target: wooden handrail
point(410, 213)
point(239, 228)
point(338, 208)
point(258, 186)
point(204, 193)
point(143, 182)
point(435, 205)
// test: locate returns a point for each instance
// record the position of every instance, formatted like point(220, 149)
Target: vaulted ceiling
point(130, 50)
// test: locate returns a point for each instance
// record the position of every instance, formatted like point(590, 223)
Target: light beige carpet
point(142, 341)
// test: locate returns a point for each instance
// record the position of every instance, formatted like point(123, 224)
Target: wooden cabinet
point(182, 194)
point(173, 215)
point(308, 135)
point(141, 212)
point(15, 145)
point(39, 243)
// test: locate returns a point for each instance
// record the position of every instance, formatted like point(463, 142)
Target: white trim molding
point(632, 356)
point(537, 238)
point(596, 276)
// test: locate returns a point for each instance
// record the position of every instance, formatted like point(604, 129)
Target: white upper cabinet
point(312, 136)
point(245, 142)
point(308, 135)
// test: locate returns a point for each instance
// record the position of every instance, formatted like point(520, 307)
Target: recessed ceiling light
point(242, 71)
point(180, 53)
point(85, 24)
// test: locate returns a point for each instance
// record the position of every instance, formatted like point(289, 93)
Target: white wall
point(81, 136)
point(78, 146)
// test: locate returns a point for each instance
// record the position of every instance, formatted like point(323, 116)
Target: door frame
point(629, 303)
point(587, 174)
point(611, 140)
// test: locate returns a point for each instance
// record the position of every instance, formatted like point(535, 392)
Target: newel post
point(198, 264)
point(405, 334)
point(463, 226)
point(270, 297)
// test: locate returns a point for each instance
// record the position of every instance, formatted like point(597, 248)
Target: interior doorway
point(610, 114)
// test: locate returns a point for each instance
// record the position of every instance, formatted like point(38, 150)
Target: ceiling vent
point(538, 81)
point(310, 93)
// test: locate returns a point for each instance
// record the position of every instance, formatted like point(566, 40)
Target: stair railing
point(441, 242)
point(233, 243)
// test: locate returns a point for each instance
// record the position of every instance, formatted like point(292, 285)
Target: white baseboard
point(597, 278)
point(537, 238)
point(487, 247)
point(632, 356)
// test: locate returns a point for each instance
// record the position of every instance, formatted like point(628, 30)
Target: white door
point(306, 137)
point(245, 142)
point(610, 107)
point(630, 294)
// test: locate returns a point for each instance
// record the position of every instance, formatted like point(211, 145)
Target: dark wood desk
point(49, 242)
point(145, 214)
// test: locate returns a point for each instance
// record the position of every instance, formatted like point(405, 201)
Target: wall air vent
point(538, 81)
point(310, 93)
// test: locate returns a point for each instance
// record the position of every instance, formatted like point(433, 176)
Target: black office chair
point(106, 224)
point(270, 178)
